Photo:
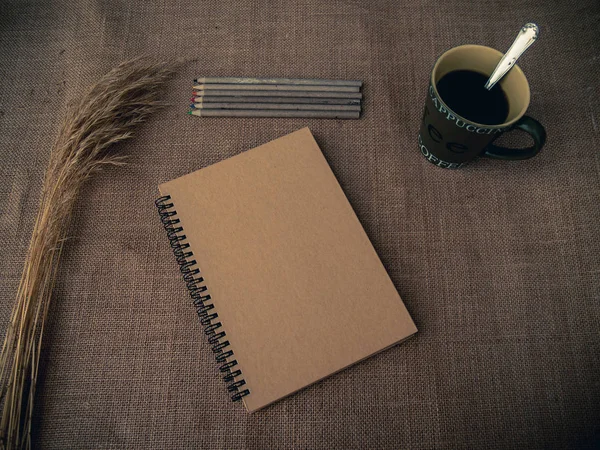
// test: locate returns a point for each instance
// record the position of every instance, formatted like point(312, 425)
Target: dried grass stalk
point(106, 115)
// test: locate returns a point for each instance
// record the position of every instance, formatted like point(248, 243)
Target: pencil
point(238, 93)
point(291, 81)
point(274, 113)
point(275, 106)
point(294, 100)
point(274, 87)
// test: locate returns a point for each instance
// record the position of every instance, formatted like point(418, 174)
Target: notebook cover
point(295, 281)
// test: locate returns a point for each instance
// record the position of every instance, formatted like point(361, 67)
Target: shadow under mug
point(448, 140)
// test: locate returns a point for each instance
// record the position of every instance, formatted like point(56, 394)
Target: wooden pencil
point(290, 81)
point(274, 113)
point(274, 87)
point(275, 106)
point(293, 100)
point(312, 94)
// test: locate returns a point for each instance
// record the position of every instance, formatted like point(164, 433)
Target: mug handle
point(531, 127)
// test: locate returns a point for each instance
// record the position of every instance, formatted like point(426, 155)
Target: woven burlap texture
point(498, 263)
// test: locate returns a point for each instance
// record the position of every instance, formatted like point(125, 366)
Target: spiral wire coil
point(188, 266)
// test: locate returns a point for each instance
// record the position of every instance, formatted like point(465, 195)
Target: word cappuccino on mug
point(460, 123)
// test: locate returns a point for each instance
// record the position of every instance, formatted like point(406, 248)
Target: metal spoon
point(527, 36)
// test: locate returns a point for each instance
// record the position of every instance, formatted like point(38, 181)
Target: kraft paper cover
point(297, 284)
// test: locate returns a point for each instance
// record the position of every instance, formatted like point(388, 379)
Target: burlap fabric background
point(498, 263)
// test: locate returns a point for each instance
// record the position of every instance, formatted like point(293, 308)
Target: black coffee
point(464, 92)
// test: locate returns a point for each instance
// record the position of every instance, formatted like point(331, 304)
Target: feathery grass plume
point(106, 115)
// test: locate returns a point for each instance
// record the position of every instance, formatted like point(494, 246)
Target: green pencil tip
point(189, 112)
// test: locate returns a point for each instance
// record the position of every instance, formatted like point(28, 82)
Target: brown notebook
point(283, 276)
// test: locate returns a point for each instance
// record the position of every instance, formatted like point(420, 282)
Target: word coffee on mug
point(462, 118)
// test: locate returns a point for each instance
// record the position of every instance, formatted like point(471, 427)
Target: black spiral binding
point(197, 289)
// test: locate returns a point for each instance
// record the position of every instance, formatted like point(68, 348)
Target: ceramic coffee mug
point(448, 140)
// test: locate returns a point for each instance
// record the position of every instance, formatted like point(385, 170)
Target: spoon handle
point(527, 36)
